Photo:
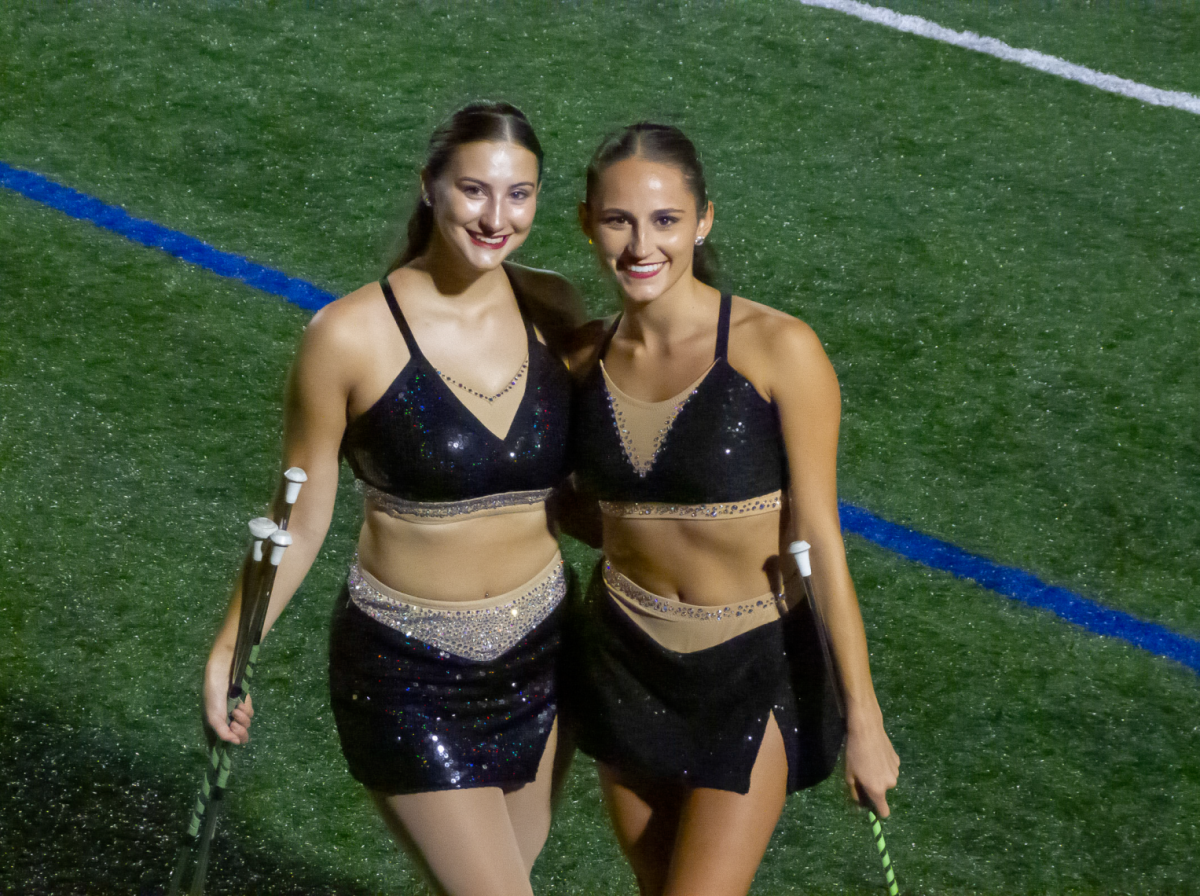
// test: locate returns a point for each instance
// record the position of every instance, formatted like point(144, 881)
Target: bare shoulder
point(551, 301)
point(771, 346)
point(346, 332)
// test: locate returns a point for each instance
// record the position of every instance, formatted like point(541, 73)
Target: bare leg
point(697, 841)
point(478, 841)
point(722, 836)
point(645, 816)
point(529, 807)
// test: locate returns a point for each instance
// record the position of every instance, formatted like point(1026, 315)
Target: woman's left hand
point(872, 766)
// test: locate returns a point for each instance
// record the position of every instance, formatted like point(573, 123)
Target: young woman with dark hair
point(438, 387)
point(706, 426)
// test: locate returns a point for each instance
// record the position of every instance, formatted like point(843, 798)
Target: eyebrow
point(484, 183)
point(657, 211)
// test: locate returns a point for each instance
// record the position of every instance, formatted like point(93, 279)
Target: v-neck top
point(720, 451)
point(419, 443)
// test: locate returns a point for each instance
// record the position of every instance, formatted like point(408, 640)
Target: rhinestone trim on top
point(440, 510)
point(665, 606)
point(653, 510)
point(641, 465)
point(488, 398)
point(477, 633)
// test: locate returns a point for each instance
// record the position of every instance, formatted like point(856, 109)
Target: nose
point(639, 242)
point(491, 218)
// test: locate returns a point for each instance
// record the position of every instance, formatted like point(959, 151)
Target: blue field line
point(924, 549)
point(188, 248)
point(1020, 585)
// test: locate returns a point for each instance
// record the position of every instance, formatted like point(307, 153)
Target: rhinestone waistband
point(656, 510)
point(479, 630)
point(446, 511)
point(667, 607)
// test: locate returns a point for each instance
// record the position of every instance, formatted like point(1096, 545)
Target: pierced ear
point(704, 228)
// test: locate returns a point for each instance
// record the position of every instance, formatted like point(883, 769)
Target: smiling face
point(484, 201)
point(644, 222)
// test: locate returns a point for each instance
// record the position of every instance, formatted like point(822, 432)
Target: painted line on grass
point(1043, 62)
point(1020, 585)
point(908, 543)
point(139, 230)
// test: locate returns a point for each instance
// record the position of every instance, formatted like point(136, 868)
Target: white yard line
point(968, 40)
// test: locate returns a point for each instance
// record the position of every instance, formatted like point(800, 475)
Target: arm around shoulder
point(552, 301)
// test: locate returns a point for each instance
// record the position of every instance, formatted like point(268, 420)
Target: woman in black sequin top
point(441, 386)
point(706, 426)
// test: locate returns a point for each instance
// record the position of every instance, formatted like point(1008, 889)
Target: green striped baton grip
point(799, 551)
point(888, 872)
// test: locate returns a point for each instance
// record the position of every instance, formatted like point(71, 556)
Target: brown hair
point(669, 145)
point(473, 123)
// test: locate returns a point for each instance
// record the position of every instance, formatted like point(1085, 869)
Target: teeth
point(645, 268)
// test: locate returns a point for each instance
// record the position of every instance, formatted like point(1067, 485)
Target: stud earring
point(699, 241)
point(589, 240)
point(425, 199)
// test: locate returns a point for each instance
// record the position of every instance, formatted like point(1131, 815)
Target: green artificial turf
point(1002, 265)
point(1156, 42)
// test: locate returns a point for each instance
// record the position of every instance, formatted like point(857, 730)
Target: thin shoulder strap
point(723, 326)
point(399, 316)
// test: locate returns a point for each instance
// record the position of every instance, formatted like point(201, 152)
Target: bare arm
point(552, 302)
point(314, 420)
point(805, 389)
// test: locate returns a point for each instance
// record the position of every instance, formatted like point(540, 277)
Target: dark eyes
point(473, 190)
point(658, 220)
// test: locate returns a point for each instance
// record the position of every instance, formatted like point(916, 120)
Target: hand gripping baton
point(799, 551)
point(258, 580)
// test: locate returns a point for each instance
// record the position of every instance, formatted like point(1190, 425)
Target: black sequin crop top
point(419, 443)
point(721, 455)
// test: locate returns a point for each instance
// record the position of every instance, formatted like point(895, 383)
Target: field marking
point(1020, 585)
point(909, 543)
point(155, 236)
point(1043, 62)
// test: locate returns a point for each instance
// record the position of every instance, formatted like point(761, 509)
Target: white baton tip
point(261, 528)
point(280, 539)
point(295, 478)
point(799, 550)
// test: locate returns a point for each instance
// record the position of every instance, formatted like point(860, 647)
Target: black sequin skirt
point(699, 717)
point(412, 718)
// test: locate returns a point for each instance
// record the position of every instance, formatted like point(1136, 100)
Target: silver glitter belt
point(468, 630)
point(444, 510)
point(656, 510)
point(668, 607)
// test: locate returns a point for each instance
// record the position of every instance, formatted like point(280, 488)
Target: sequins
point(650, 417)
point(421, 443)
point(479, 633)
point(401, 508)
point(724, 446)
point(655, 510)
point(665, 606)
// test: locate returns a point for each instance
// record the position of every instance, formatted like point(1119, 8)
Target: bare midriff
point(706, 562)
point(457, 559)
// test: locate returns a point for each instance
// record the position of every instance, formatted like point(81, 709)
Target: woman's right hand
point(217, 722)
